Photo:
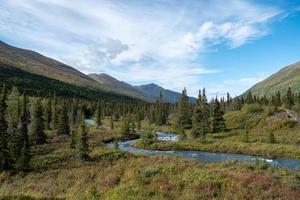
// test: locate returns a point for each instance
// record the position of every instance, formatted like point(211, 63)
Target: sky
point(224, 46)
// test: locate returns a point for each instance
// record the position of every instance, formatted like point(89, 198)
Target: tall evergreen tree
point(218, 121)
point(5, 160)
point(36, 127)
point(125, 126)
point(82, 143)
point(47, 113)
point(249, 98)
point(54, 113)
point(183, 115)
point(13, 109)
point(63, 127)
point(23, 159)
point(289, 98)
point(99, 116)
point(112, 126)
point(200, 116)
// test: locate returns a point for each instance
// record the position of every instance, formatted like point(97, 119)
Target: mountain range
point(27, 63)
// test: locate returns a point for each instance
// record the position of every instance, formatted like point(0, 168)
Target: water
point(205, 157)
point(90, 122)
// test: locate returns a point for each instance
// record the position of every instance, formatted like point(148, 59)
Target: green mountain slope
point(36, 63)
point(112, 84)
point(43, 86)
point(289, 76)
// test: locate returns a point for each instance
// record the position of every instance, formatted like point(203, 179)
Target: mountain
point(152, 91)
point(112, 84)
point(35, 63)
point(149, 92)
point(288, 76)
point(22, 67)
point(29, 63)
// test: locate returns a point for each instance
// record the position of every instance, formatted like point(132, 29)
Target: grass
point(111, 174)
point(260, 121)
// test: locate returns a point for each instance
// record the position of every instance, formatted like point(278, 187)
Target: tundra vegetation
point(48, 151)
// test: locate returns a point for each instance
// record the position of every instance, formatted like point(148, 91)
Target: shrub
point(252, 108)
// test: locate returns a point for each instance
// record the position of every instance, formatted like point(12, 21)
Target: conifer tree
point(249, 98)
point(112, 126)
point(13, 111)
point(139, 121)
point(160, 112)
point(63, 127)
point(82, 143)
point(5, 160)
point(289, 98)
point(46, 113)
point(200, 117)
point(23, 159)
point(36, 127)
point(54, 113)
point(183, 118)
point(125, 126)
point(98, 116)
point(218, 121)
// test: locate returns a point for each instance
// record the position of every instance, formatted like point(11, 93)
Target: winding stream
point(201, 156)
point(205, 157)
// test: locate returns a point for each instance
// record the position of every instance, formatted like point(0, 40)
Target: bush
point(252, 108)
point(148, 138)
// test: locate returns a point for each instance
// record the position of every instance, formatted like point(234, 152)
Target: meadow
point(112, 174)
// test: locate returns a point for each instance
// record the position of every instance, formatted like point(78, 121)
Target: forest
point(48, 149)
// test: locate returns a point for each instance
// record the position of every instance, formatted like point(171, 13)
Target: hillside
point(112, 84)
point(36, 63)
point(43, 86)
point(152, 91)
point(289, 76)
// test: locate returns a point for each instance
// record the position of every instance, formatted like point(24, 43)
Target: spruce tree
point(63, 127)
point(23, 159)
point(125, 126)
point(5, 160)
point(13, 109)
point(54, 113)
point(183, 115)
point(249, 98)
point(200, 117)
point(98, 116)
point(289, 98)
point(82, 143)
point(218, 121)
point(112, 126)
point(47, 113)
point(36, 127)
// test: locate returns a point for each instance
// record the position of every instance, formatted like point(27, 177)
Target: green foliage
point(252, 108)
point(13, 108)
point(183, 115)
point(82, 143)
point(218, 121)
point(200, 119)
point(5, 160)
point(63, 127)
point(271, 138)
point(246, 136)
point(125, 126)
point(112, 126)
point(148, 137)
point(36, 127)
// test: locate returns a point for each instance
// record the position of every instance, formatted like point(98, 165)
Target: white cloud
point(137, 41)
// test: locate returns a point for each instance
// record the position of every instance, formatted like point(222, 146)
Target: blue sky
point(225, 46)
